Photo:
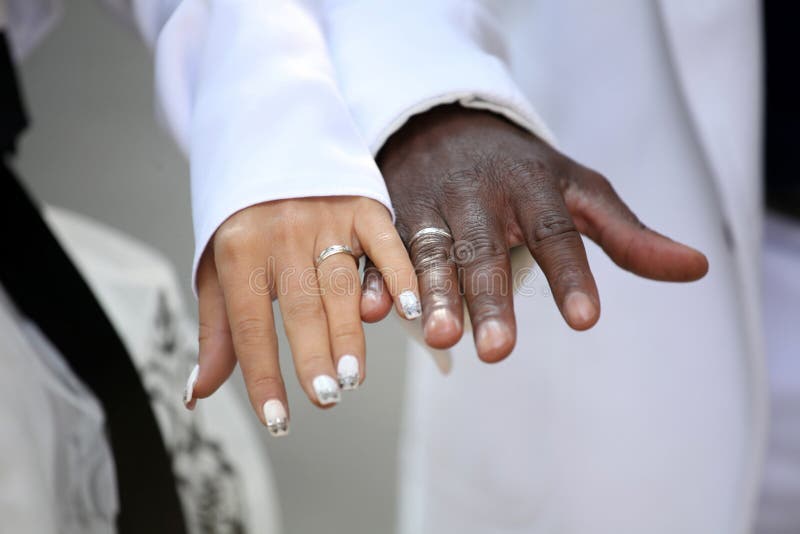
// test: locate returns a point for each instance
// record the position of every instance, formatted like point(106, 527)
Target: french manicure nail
point(347, 370)
point(276, 418)
point(409, 303)
point(188, 391)
point(327, 390)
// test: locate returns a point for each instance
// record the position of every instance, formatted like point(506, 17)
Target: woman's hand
point(493, 186)
point(270, 251)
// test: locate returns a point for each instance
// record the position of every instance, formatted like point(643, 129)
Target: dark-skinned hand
point(494, 186)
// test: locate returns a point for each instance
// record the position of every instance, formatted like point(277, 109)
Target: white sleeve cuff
point(248, 90)
point(394, 62)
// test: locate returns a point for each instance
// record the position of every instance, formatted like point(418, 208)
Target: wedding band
point(431, 230)
point(331, 251)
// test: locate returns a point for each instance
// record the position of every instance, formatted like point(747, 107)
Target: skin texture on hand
point(268, 251)
point(494, 186)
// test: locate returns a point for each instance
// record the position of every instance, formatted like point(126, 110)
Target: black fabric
point(12, 113)
point(47, 288)
point(782, 128)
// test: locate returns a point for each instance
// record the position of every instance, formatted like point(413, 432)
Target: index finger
point(556, 245)
point(380, 241)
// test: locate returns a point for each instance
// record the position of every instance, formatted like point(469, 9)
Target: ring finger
point(338, 281)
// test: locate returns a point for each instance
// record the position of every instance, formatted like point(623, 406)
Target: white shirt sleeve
point(248, 90)
point(395, 62)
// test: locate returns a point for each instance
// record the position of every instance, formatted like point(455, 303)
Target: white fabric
point(248, 91)
point(779, 513)
point(427, 54)
point(224, 477)
point(28, 22)
point(56, 467)
point(632, 427)
point(654, 420)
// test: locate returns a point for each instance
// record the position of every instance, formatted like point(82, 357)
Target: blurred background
point(95, 147)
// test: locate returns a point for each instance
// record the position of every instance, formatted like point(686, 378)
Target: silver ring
point(429, 231)
point(332, 251)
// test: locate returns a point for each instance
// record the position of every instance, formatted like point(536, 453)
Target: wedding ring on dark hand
point(332, 251)
point(429, 231)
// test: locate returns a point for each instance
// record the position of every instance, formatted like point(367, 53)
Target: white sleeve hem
point(223, 209)
point(393, 63)
point(525, 119)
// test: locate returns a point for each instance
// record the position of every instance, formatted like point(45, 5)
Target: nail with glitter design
point(347, 369)
point(409, 303)
point(327, 390)
point(188, 391)
point(276, 418)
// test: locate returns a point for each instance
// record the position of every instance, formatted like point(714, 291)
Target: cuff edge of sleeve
point(518, 113)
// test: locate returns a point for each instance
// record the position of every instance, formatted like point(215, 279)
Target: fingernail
point(579, 308)
point(493, 339)
point(373, 285)
point(188, 391)
point(276, 418)
point(327, 390)
point(347, 369)
point(369, 293)
point(442, 324)
point(409, 303)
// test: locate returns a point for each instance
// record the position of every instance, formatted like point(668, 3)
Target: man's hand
point(494, 186)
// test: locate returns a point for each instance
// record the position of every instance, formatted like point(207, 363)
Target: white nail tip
point(409, 303)
point(327, 390)
point(276, 418)
point(347, 370)
point(188, 391)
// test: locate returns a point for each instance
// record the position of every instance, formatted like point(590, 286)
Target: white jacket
point(242, 81)
point(576, 433)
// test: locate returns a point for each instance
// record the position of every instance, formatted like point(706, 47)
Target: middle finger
point(485, 273)
point(341, 297)
point(306, 326)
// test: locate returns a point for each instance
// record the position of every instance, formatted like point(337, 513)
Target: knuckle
point(267, 383)
point(304, 308)
point(289, 221)
point(534, 172)
point(313, 362)
point(232, 240)
point(568, 275)
point(488, 280)
point(386, 239)
point(372, 211)
point(477, 249)
point(599, 179)
point(467, 186)
point(600, 184)
point(551, 227)
point(435, 270)
point(430, 257)
point(347, 331)
point(453, 183)
point(250, 331)
point(484, 307)
point(207, 332)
